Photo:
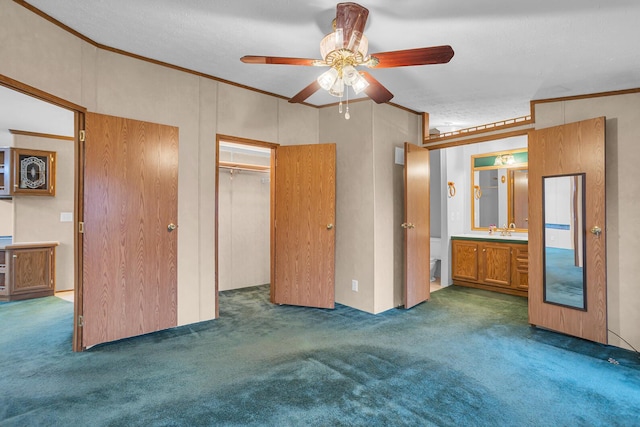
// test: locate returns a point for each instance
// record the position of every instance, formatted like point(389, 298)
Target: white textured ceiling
point(507, 52)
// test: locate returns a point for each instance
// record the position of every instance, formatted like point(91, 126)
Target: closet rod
point(244, 166)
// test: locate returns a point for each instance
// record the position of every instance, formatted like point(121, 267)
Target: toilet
point(434, 257)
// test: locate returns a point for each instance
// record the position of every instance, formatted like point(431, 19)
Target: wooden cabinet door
point(496, 264)
point(31, 272)
point(464, 260)
point(520, 266)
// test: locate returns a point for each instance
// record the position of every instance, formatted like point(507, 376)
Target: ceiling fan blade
point(252, 59)
point(420, 56)
point(352, 18)
point(305, 93)
point(375, 90)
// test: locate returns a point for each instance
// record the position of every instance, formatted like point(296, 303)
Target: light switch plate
point(399, 156)
point(66, 216)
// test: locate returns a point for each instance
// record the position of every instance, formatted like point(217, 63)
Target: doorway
point(451, 199)
point(30, 118)
point(243, 225)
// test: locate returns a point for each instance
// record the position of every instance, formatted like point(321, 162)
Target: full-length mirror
point(564, 232)
point(499, 190)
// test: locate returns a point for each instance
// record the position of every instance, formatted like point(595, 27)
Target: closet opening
point(243, 218)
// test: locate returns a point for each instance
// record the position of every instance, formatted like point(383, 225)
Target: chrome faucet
point(506, 231)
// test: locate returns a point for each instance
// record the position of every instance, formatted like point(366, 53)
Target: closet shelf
point(244, 166)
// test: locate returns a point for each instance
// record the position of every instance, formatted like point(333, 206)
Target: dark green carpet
point(466, 358)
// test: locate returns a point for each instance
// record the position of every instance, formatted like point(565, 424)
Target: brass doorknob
point(596, 230)
point(329, 226)
point(171, 227)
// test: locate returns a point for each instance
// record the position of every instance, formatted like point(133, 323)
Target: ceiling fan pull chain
point(347, 116)
point(340, 107)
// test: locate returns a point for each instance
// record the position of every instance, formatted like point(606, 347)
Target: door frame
point(78, 210)
point(256, 143)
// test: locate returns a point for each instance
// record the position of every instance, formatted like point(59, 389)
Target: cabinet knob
point(484, 250)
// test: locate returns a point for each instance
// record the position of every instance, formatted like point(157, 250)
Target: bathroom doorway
point(452, 193)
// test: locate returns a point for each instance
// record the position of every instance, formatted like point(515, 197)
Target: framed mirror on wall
point(499, 190)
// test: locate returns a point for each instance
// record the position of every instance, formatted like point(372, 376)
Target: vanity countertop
point(515, 238)
point(5, 240)
point(31, 245)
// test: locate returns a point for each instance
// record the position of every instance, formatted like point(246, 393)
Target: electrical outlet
point(354, 285)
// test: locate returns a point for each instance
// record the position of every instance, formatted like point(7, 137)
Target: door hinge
point(82, 135)
point(80, 321)
point(81, 227)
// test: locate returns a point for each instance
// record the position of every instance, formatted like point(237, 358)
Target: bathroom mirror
point(564, 277)
point(499, 190)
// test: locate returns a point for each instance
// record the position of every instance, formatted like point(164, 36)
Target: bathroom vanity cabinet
point(492, 264)
point(27, 270)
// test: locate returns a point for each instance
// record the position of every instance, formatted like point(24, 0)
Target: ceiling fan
point(347, 48)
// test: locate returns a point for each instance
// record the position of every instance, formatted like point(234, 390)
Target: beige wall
point(6, 217)
point(392, 127)
point(40, 54)
point(369, 201)
point(37, 218)
point(354, 201)
point(622, 153)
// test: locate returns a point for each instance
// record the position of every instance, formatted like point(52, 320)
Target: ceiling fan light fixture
point(338, 36)
point(362, 43)
point(331, 42)
point(349, 74)
point(359, 84)
point(327, 79)
point(337, 89)
point(363, 47)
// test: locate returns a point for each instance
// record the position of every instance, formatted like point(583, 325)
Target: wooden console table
point(27, 270)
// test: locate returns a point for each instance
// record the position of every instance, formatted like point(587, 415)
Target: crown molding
point(86, 39)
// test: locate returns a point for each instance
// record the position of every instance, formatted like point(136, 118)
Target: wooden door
point(571, 149)
point(129, 270)
point(304, 219)
point(520, 197)
point(417, 227)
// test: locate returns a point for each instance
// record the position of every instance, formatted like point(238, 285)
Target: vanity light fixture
point(504, 159)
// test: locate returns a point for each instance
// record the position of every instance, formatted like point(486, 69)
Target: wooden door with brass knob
point(304, 237)
point(129, 239)
point(567, 238)
point(417, 228)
